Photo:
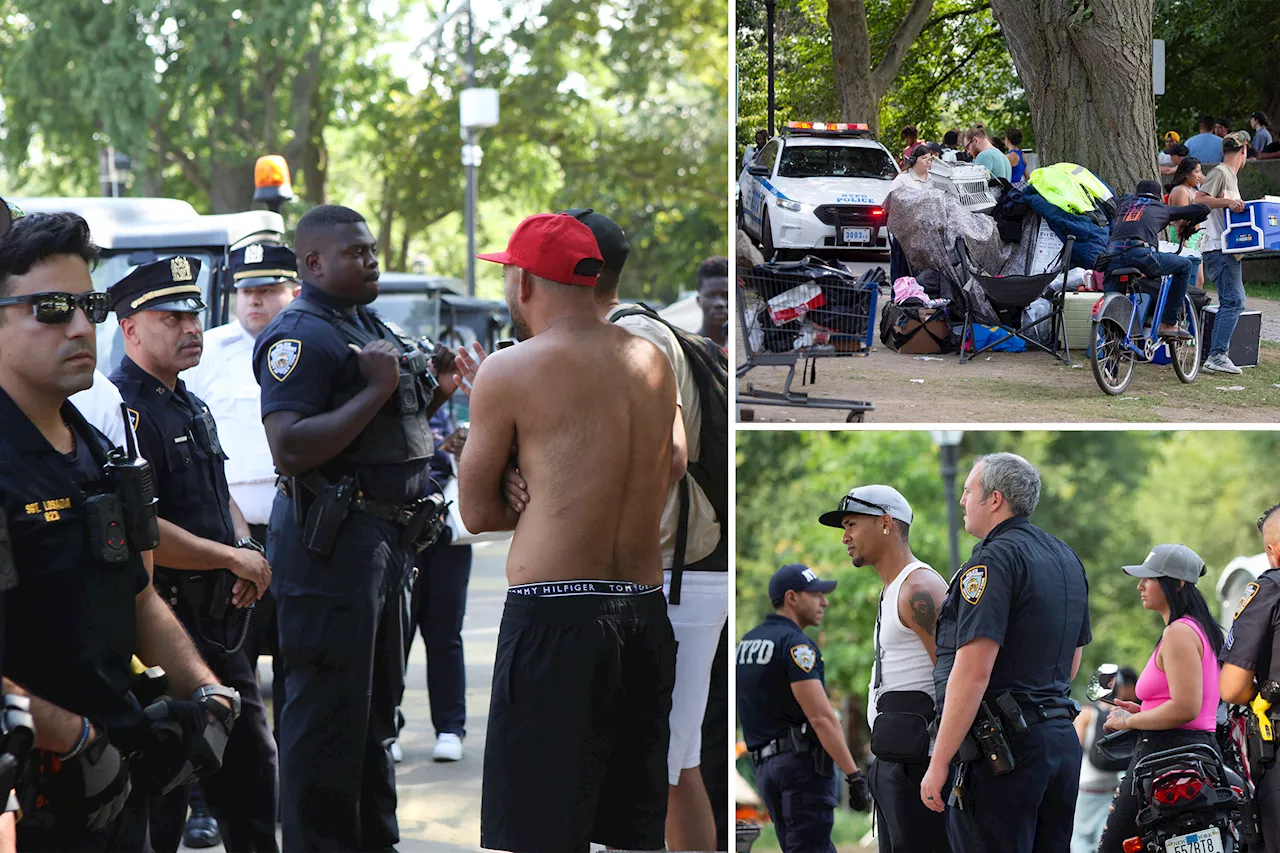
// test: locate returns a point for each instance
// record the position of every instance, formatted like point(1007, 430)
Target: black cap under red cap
point(553, 246)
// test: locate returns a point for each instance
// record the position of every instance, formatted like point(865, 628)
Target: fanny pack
point(900, 733)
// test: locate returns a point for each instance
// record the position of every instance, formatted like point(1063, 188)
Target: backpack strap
point(682, 540)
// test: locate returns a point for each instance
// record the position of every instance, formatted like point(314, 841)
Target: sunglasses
point(58, 308)
point(851, 504)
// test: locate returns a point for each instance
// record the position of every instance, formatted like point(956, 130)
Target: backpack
point(709, 366)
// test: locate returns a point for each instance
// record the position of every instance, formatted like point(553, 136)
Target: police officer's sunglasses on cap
point(56, 308)
point(851, 504)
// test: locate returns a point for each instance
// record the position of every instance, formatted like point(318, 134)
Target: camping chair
point(1010, 294)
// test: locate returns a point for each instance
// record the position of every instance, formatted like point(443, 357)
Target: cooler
point(1076, 309)
point(1245, 340)
point(1256, 229)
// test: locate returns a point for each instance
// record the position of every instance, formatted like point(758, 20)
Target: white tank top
point(1091, 778)
point(907, 665)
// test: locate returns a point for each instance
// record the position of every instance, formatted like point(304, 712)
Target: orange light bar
point(271, 171)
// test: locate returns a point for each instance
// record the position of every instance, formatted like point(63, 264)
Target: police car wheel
point(766, 238)
point(1111, 359)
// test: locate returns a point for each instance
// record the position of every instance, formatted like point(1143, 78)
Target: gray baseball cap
point(869, 500)
point(1170, 561)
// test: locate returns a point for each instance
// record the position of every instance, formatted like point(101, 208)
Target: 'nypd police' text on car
point(817, 188)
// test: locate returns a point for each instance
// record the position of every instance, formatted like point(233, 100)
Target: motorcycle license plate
point(1204, 841)
point(856, 235)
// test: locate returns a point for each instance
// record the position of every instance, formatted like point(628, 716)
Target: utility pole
point(478, 109)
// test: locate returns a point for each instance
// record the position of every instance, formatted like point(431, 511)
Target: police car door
point(753, 205)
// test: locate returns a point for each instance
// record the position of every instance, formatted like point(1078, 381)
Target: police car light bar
point(828, 126)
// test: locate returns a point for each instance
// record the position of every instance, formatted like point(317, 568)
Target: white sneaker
point(448, 747)
point(397, 754)
point(1220, 363)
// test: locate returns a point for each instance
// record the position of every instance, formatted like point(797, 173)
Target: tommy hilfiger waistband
point(558, 589)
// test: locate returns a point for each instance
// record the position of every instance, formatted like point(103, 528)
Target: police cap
point(796, 577)
point(167, 285)
point(262, 264)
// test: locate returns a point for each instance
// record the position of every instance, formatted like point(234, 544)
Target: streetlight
point(114, 168)
point(479, 109)
point(769, 6)
point(948, 442)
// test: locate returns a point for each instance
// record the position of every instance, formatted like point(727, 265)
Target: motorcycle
point(1190, 800)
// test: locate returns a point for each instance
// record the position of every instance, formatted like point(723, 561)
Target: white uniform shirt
point(704, 528)
point(224, 380)
point(100, 406)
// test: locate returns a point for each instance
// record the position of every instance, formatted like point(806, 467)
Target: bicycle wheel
point(1112, 360)
point(1185, 355)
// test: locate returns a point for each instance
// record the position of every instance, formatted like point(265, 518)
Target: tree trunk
point(1086, 68)
point(858, 85)
point(231, 186)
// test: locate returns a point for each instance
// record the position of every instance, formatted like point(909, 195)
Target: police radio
point(134, 484)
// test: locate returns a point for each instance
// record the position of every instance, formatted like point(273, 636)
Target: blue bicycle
point(1124, 325)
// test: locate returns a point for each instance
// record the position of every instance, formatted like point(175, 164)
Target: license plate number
point(1205, 841)
point(856, 235)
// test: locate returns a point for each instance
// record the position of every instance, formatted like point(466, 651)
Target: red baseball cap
point(554, 246)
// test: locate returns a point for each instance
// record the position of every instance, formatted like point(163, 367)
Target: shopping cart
point(806, 310)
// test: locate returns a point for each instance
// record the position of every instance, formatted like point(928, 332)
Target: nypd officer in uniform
point(1006, 762)
point(265, 277)
point(83, 603)
point(1250, 666)
point(345, 404)
point(207, 566)
point(788, 723)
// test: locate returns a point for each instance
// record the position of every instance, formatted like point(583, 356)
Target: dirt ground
point(1029, 387)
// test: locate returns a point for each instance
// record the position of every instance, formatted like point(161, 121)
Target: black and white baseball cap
point(869, 500)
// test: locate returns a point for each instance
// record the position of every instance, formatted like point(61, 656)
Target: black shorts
point(576, 748)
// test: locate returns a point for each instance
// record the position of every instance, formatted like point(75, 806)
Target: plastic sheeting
point(926, 223)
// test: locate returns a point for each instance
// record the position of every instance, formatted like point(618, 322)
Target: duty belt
point(778, 746)
point(399, 514)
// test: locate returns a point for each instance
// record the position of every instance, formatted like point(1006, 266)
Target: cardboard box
point(795, 303)
point(1245, 340)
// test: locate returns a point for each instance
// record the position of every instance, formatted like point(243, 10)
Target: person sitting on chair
point(1134, 239)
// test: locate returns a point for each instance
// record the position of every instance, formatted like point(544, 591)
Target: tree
point(859, 82)
point(1086, 68)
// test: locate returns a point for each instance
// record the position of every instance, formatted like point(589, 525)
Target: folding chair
point(1010, 294)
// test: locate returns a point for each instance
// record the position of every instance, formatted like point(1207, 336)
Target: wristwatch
point(252, 544)
point(204, 695)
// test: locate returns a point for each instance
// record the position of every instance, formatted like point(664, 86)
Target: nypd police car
point(817, 188)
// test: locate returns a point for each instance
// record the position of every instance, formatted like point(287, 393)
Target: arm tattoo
point(923, 610)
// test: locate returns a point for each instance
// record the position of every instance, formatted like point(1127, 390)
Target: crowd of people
point(976, 743)
point(282, 493)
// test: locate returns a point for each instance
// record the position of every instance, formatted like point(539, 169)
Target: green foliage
point(1110, 495)
point(613, 105)
point(957, 72)
point(1220, 60)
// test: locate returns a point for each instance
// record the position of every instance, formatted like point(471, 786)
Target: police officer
point(207, 566)
point(1009, 639)
point(265, 277)
point(1250, 665)
point(77, 528)
point(788, 723)
point(345, 404)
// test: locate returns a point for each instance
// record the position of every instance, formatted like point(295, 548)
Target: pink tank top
point(1153, 684)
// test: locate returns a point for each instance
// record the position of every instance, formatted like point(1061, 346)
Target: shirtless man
point(578, 720)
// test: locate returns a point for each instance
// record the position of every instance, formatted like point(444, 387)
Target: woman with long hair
point(1183, 184)
point(1178, 688)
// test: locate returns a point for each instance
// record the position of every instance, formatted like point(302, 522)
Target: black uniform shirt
point(1142, 218)
point(69, 624)
point(1027, 591)
point(1253, 628)
point(304, 365)
point(191, 480)
point(771, 657)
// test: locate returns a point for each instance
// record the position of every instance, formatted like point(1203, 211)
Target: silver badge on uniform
point(282, 357)
point(804, 656)
point(180, 269)
point(253, 254)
